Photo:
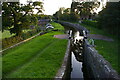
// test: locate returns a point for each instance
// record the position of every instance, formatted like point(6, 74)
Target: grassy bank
point(40, 57)
point(109, 50)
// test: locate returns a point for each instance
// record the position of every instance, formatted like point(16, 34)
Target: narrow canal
point(76, 54)
point(76, 66)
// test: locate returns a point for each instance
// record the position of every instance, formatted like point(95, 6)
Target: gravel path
point(64, 36)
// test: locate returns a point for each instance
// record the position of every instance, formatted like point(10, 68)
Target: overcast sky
point(51, 6)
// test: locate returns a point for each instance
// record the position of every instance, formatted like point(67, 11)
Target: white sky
point(51, 6)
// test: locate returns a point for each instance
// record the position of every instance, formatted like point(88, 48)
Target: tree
point(109, 18)
point(17, 17)
point(58, 13)
point(67, 11)
point(84, 9)
point(65, 15)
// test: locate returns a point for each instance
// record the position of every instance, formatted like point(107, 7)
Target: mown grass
point(40, 57)
point(109, 50)
point(23, 53)
point(45, 65)
point(57, 26)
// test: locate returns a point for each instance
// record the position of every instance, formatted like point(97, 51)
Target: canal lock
point(82, 61)
point(76, 55)
point(73, 64)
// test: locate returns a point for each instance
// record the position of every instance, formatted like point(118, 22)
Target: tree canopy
point(77, 10)
point(84, 9)
point(66, 15)
point(16, 16)
point(109, 18)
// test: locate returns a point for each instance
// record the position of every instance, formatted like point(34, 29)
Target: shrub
point(7, 42)
point(69, 17)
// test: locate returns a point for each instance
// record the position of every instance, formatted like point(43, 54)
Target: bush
point(109, 18)
point(7, 42)
point(69, 17)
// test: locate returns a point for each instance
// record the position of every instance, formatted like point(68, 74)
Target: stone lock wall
point(96, 65)
point(64, 71)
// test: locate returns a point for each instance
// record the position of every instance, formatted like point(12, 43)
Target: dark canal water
point(76, 66)
point(76, 54)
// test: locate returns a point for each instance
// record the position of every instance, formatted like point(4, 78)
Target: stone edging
point(62, 71)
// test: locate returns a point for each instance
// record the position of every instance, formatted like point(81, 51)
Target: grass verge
point(40, 57)
point(45, 65)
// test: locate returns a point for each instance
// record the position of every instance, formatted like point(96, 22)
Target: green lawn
point(56, 27)
point(109, 50)
point(40, 57)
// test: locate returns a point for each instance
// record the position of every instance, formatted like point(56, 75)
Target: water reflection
point(77, 56)
point(76, 72)
point(77, 65)
point(77, 45)
point(77, 37)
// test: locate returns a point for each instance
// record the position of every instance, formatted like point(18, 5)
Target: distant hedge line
point(7, 42)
